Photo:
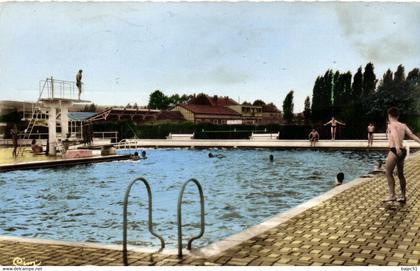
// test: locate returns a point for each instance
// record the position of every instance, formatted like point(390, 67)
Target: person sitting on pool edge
point(36, 149)
point(339, 179)
point(313, 137)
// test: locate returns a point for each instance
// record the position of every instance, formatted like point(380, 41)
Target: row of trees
point(158, 100)
point(334, 92)
point(359, 99)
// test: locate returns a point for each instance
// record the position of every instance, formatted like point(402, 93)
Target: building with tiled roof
point(203, 99)
point(224, 110)
point(271, 115)
point(198, 113)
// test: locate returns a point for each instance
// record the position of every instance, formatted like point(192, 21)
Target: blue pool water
point(84, 203)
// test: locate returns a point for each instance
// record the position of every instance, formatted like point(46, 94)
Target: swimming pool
point(84, 203)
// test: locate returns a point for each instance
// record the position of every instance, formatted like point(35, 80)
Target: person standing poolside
point(334, 123)
point(370, 129)
point(14, 134)
point(313, 137)
point(397, 153)
point(79, 82)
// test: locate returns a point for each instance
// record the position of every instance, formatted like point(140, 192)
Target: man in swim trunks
point(396, 133)
point(334, 123)
point(313, 137)
point(370, 129)
point(14, 133)
point(79, 82)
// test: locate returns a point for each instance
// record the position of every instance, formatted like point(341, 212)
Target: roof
point(80, 116)
point(170, 115)
point(270, 108)
point(211, 110)
point(203, 99)
point(222, 101)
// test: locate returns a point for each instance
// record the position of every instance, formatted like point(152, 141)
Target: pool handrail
point(179, 216)
point(125, 220)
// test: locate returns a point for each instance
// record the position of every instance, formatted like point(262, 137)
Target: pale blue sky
point(246, 50)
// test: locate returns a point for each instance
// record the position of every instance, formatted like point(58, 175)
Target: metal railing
point(125, 214)
point(179, 216)
point(51, 88)
point(127, 144)
point(113, 136)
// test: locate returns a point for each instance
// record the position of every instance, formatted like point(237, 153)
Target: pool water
point(84, 203)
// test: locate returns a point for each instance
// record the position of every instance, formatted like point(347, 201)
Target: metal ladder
point(150, 222)
point(125, 220)
point(32, 123)
point(179, 216)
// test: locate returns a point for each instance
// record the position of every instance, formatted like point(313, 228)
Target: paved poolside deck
point(262, 143)
point(60, 162)
point(352, 227)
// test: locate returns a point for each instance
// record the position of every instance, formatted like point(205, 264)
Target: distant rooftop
point(207, 109)
point(203, 99)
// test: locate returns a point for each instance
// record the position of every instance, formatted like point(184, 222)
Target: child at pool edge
point(397, 153)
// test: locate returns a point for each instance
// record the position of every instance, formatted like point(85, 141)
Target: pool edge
point(272, 222)
point(217, 247)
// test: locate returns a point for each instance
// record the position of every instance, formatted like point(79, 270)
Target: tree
point(328, 90)
point(307, 109)
point(258, 103)
point(357, 87)
point(399, 75)
point(322, 96)
point(413, 77)
point(396, 90)
point(89, 108)
point(369, 80)
point(316, 100)
point(347, 87)
point(335, 87)
point(288, 107)
point(158, 100)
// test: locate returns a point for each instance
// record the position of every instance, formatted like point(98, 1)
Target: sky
point(247, 51)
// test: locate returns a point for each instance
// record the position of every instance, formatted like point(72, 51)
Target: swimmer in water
point(271, 157)
point(135, 156)
point(339, 179)
point(143, 155)
point(397, 153)
point(211, 155)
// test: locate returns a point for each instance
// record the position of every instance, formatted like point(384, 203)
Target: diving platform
point(57, 96)
point(62, 162)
